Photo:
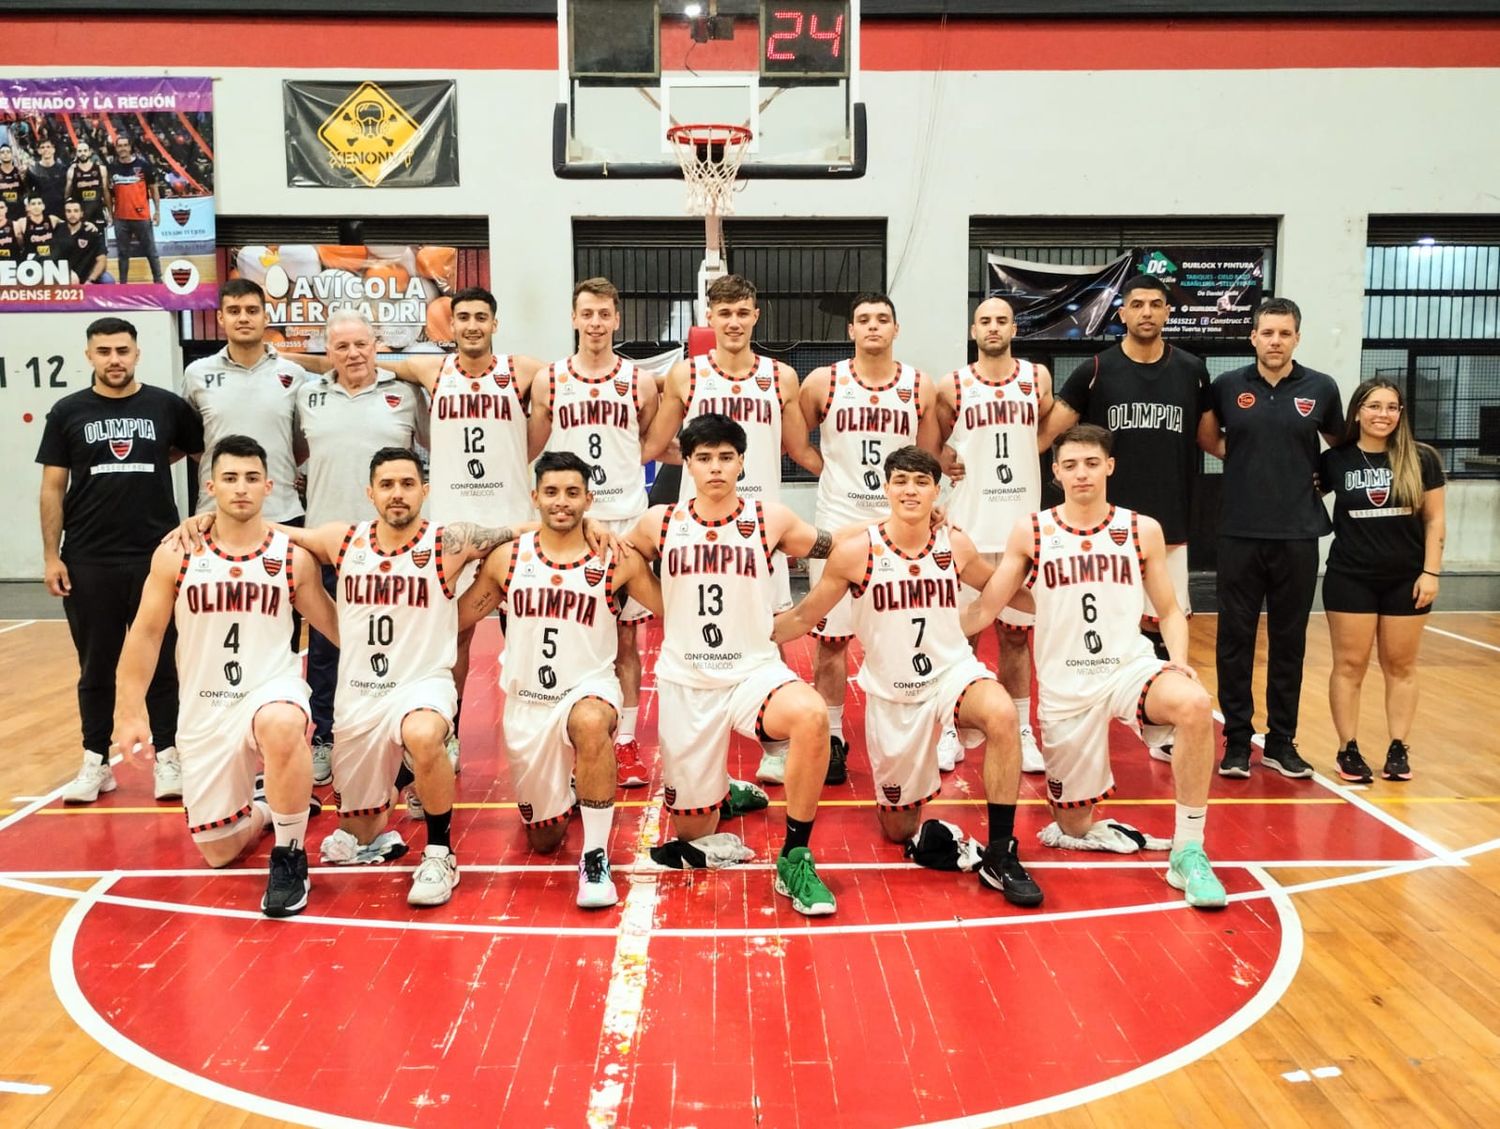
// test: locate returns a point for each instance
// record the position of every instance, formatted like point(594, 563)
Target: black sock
point(404, 776)
point(458, 713)
point(1002, 823)
point(1158, 644)
point(438, 828)
point(798, 833)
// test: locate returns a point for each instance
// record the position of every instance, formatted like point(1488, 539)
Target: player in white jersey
point(479, 446)
point(242, 693)
point(864, 408)
point(903, 578)
point(989, 413)
point(562, 698)
point(718, 670)
point(1090, 567)
point(599, 406)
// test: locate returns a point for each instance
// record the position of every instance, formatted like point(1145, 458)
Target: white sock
point(1023, 711)
point(626, 731)
point(291, 830)
point(775, 748)
point(1189, 825)
point(836, 721)
point(260, 815)
point(431, 852)
point(596, 826)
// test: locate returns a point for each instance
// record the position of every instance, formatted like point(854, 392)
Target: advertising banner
point(107, 186)
point(371, 135)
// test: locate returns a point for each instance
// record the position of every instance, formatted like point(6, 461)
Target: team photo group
point(396, 505)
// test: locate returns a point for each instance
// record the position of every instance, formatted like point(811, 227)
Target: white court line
point(23, 1088)
point(1463, 638)
point(16, 626)
point(78, 1007)
point(40, 802)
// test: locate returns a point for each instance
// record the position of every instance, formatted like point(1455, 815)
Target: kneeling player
point(919, 674)
point(243, 697)
point(1090, 566)
point(562, 697)
point(718, 670)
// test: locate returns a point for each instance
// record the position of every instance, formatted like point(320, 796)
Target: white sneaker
point(1160, 752)
point(772, 768)
point(167, 773)
point(414, 809)
point(949, 751)
point(322, 760)
point(93, 778)
point(452, 747)
point(596, 890)
point(1031, 754)
point(433, 883)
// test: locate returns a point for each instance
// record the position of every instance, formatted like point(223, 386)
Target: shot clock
point(804, 39)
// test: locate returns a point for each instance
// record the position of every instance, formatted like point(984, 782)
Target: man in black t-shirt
point(1154, 398)
point(106, 501)
point(12, 186)
point(82, 244)
point(48, 176)
point(1271, 413)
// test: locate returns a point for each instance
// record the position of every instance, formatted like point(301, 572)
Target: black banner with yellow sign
point(371, 135)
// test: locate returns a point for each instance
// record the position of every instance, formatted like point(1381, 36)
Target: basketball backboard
point(631, 69)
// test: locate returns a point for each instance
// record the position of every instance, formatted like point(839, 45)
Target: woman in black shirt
point(1383, 566)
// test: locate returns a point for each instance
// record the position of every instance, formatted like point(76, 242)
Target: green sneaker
point(743, 798)
point(1190, 871)
point(797, 878)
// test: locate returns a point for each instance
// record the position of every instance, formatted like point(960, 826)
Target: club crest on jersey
point(1024, 386)
point(525, 810)
point(592, 575)
point(272, 565)
point(420, 557)
point(1054, 788)
point(1119, 536)
point(285, 378)
point(891, 792)
point(120, 448)
point(942, 559)
point(670, 795)
point(385, 566)
point(1247, 400)
point(1304, 407)
point(392, 401)
point(1086, 545)
point(914, 569)
point(763, 383)
point(904, 395)
point(503, 380)
point(1377, 494)
point(746, 528)
point(711, 535)
point(622, 387)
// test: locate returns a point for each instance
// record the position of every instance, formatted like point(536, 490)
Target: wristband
point(1429, 572)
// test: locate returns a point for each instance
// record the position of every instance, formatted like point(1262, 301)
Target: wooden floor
point(1391, 1018)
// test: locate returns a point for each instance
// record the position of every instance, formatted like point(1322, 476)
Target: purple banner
point(107, 194)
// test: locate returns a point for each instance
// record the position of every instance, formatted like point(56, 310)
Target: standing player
point(48, 177)
point(86, 185)
point(718, 670)
point(479, 451)
point(864, 408)
point(135, 198)
point(989, 415)
point(598, 406)
point(761, 395)
point(243, 695)
point(562, 698)
point(1090, 566)
point(12, 187)
point(919, 673)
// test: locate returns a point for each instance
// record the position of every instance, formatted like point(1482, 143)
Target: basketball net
point(710, 157)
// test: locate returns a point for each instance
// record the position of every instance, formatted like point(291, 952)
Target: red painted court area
point(702, 999)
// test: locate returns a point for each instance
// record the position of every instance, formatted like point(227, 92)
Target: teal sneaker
point(797, 878)
point(744, 797)
point(1190, 871)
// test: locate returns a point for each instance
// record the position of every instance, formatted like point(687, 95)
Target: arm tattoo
point(822, 546)
point(461, 536)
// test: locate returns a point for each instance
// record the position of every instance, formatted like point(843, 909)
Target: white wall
point(1322, 149)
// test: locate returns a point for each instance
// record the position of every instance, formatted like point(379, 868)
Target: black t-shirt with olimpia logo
point(118, 452)
point(1374, 537)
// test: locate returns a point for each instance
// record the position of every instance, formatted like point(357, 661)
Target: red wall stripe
point(887, 45)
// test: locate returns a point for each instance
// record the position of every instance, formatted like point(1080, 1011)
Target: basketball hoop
point(710, 157)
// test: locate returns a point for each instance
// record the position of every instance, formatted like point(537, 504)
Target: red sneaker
point(630, 772)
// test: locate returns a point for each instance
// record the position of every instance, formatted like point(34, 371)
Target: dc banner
point(106, 194)
point(1212, 290)
point(371, 135)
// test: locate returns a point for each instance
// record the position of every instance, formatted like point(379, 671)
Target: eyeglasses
point(1381, 409)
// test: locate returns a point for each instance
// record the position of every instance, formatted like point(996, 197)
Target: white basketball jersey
point(599, 421)
point(753, 402)
point(478, 468)
point(234, 622)
point(561, 627)
point(398, 621)
point(906, 617)
point(994, 434)
point(717, 595)
point(860, 427)
point(1087, 584)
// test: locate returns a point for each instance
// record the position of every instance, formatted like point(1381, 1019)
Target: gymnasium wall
point(1319, 123)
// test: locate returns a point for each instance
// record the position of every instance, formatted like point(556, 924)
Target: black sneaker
point(1001, 870)
point(1236, 760)
point(1282, 755)
point(838, 761)
point(1397, 764)
point(1352, 766)
point(286, 891)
